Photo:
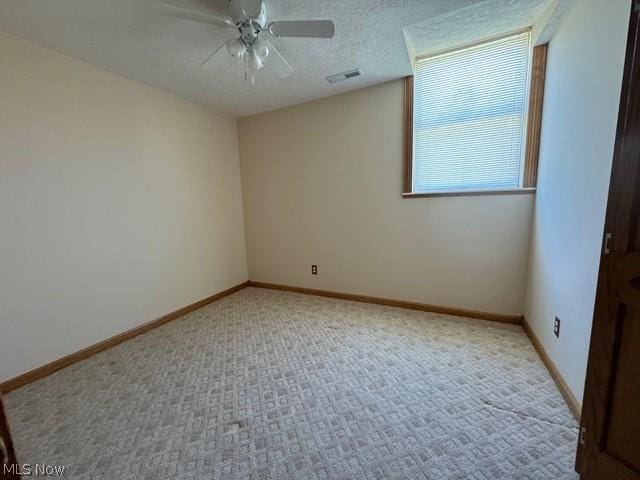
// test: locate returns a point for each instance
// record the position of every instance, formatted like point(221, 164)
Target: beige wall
point(118, 204)
point(322, 184)
point(584, 78)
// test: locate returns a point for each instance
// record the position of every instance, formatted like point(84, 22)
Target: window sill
point(471, 193)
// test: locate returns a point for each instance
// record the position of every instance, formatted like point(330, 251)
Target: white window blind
point(470, 111)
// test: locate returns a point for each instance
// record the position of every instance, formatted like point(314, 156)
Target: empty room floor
point(273, 385)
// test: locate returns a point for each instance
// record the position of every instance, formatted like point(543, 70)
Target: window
point(468, 115)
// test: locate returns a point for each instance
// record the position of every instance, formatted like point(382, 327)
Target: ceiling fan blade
point(195, 15)
point(303, 28)
point(252, 8)
point(214, 59)
point(280, 65)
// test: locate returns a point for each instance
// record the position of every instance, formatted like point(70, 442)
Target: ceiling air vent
point(344, 76)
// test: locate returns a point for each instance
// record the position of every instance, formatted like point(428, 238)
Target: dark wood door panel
point(622, 439)
point(7, 453)
point(627, 279)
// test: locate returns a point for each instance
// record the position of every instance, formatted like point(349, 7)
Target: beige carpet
point(272, 385)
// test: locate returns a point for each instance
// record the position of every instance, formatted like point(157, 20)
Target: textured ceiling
point(129, 38)
point(482, 20)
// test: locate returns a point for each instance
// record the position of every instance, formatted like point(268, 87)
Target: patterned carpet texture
point(273, 385)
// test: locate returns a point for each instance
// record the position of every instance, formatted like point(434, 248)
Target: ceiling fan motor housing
point(249, 33)
point(237, 11)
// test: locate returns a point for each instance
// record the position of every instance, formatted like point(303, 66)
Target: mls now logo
point(36, 470)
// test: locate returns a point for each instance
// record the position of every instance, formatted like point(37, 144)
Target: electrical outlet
point(556, 327)
point(314, 269)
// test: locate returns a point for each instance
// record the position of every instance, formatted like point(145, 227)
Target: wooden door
point(609, 446)
point(8, 464)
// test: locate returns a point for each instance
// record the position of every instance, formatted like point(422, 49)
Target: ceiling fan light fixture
point(257, 61)
point(261, 48)
point(236, 48)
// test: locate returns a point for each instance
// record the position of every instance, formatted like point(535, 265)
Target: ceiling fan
point(249, 18)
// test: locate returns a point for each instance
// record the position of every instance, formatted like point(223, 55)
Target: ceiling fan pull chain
point(245, 59)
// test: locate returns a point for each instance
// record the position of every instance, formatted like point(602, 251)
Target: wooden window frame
point(534, 122)
point(408, 135)
point(532, 141)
